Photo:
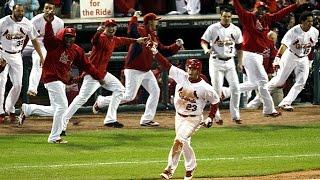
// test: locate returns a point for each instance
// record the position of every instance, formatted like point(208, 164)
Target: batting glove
point(276, 63)
point(207, 123)
point(179, 42)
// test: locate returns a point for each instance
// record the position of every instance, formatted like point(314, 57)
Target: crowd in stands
point(123, 8)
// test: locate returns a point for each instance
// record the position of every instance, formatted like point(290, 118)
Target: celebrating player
point(295, 47)
point(104, 42)
point(225, 38)
point(191, 95)
point(61, 53)
point(14, 29)
point(39, 21)
point(138, 67)
point(255, 29)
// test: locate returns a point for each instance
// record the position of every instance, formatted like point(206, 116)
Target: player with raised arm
point(104, 42)
point(14, 29)
point(62, 52)
point(256, 26)
point(138, 66)
point(192, 94)
point(226, 40)
point(39, 22)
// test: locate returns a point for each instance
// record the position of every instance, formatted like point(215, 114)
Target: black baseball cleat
point(114, 125)
point(150, 124)
point(237, 121)
point(63, 133)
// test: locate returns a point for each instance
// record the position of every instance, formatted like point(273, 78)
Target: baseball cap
point(261, 4)
point(110, 22)
point(150, 17)
point(70, 31)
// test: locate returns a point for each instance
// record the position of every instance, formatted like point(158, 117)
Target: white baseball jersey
point(299, 41)
point(191, 98)
point(14, 33)
point(40, 23)
point(223, 39)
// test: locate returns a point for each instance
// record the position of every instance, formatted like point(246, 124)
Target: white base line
point(149, 162)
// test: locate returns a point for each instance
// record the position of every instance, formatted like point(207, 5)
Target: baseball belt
point(224, 59)
point(182, 115)
point(10, 52)
point(296, 54)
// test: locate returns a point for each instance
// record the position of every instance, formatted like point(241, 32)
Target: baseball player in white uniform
point(191, 95)
point(14, 29)
point(295, 47)
point(39, 22)
point(225, 38)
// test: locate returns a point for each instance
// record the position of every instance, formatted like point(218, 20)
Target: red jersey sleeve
point(275, 17)
point(123, 41)
point(84, 64)
point(164, 62)
point(49, 40)
point(241, 12)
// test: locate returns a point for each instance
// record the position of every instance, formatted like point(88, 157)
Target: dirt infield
point(301, 115)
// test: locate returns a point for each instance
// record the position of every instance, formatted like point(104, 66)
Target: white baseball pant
point(36, 70)
point(14, 68)
point(289, 63)
point(257, 76)
point(218, 69)
point(133, 80)
point(89, 86)
point(184, 127)
point(59, 102)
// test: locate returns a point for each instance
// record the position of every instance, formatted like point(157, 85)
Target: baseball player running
point(39, 22)
point(61, 54)
point(104, 42)
point(225, 39)
point(295, 47)
point(255, 28)
point(13, 29)
point(191, 95)
point(138, 66)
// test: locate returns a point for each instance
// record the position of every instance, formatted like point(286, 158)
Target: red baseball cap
point(150, 17)
point(261, 4)
point(110, 22)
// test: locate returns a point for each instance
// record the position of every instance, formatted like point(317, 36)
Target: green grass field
point(142, 153)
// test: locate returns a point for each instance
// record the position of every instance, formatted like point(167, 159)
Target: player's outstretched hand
point(41, 62)
point(142, 40)
point(137, 13)
point(207, 51)
point(207, 123)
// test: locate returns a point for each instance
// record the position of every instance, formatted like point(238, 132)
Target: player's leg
point(38, 110)
point(35, 73)
point(301, 76)
point(15, 74)
point(288, 63)
point(233, 80)
point(114, 85)
point(253, 64)
point(3, 81)
point(133, 79)
point(190, 163)
point(255, 103)
point(216, 72)
point(151, 85)
point(59, 102)
point(88, 87)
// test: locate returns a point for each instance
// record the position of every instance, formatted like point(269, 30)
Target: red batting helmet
point(70, 31)
point(194, 64)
